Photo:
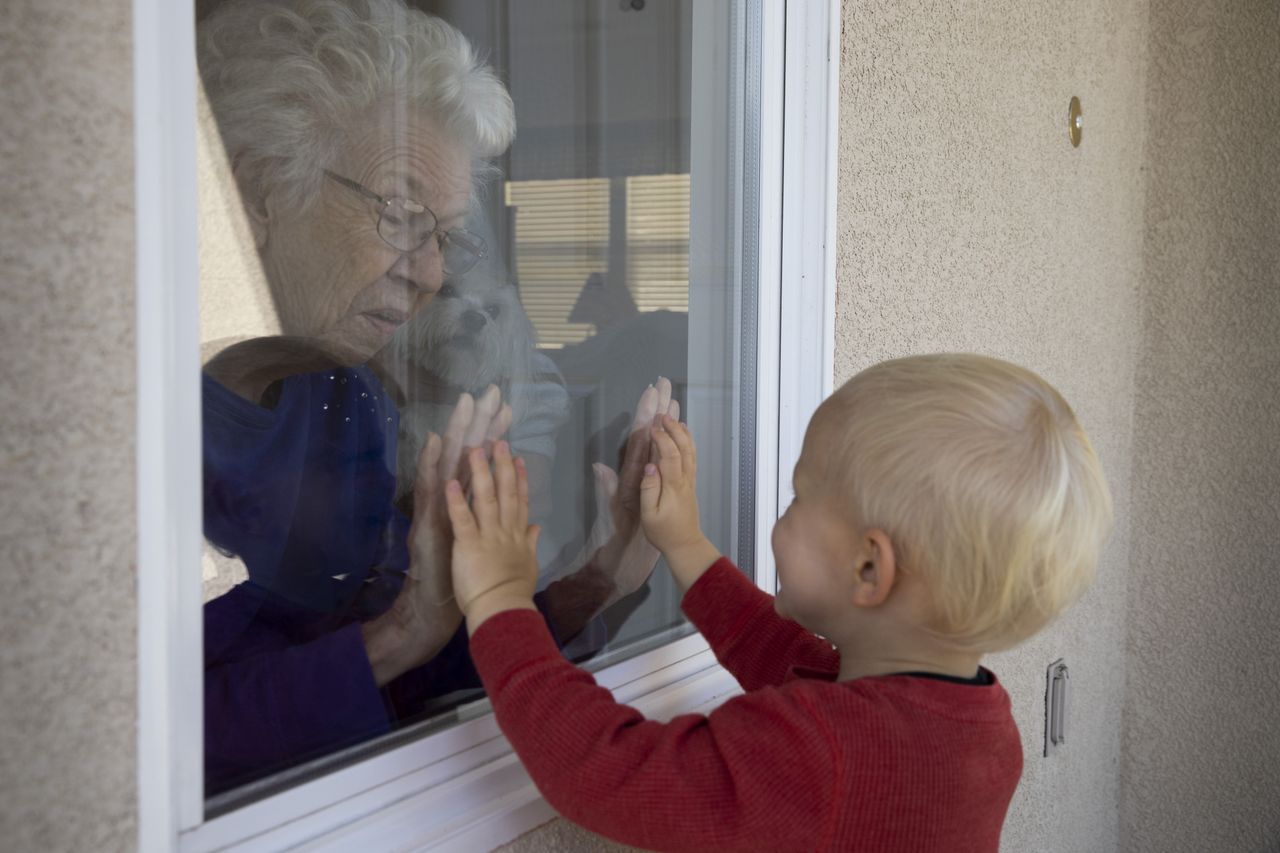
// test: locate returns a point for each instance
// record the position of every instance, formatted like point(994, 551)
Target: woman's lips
point(386, 321)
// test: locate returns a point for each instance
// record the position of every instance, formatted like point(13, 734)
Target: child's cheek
point(780, 606)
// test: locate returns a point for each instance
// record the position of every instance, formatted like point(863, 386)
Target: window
point(634, 229)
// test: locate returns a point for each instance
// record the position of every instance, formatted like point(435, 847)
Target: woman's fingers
point(684, 441)
point(634, 455)
point(500, 424)
point(454, 433)
point(522, 495)
point(673, 411)
point(646, 407)
point(669, 462)
point(663, 387)
point(426, 482)
point(486, 410)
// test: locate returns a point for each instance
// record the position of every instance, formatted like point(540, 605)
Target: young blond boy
point(945, 506)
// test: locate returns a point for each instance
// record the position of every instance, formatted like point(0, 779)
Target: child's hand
point(669, 502)
point(494, 563)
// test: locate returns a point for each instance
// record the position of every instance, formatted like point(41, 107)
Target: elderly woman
point(356, 131)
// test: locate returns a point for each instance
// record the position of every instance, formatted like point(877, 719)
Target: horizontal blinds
point(658, 241)
point(562, 237)
point(562, 231)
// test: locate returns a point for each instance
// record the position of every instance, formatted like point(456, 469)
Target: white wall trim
point(168, 413)
point(810, 146)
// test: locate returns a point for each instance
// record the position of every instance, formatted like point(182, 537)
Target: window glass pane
point(402, 205)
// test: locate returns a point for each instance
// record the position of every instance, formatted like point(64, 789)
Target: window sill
point(462, 789)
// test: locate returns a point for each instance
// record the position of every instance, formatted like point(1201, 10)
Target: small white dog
point(475, 333)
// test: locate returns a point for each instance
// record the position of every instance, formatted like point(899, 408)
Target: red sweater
point(798, 762)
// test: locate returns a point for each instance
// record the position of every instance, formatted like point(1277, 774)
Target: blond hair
point(985, 482)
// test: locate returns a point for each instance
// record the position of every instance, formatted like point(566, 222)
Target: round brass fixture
point(1075, 122)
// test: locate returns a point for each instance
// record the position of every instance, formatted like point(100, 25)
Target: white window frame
point(462, 788)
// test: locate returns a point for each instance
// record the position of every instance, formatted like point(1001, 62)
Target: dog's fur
point(472, 334)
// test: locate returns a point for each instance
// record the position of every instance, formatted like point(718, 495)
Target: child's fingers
point(522, 493)
point(669, 462)
point(684, 441)
point(650, 490)
point(426, 482)
point(531, 536)
point(504, 475)
point(464, 523)
point(484, 498)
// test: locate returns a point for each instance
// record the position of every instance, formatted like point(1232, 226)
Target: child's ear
point(876, 569)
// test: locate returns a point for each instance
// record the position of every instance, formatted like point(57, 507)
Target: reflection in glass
point(427, 276)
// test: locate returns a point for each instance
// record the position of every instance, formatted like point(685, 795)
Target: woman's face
point(332, 277)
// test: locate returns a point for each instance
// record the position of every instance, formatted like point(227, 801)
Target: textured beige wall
point(67, 605)
point(561, 835)
point(968, 222)
point(1201, 765)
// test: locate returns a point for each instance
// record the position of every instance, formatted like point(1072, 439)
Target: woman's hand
point(424, 615)
point(475, 424)
point(628, 557)
point(495, 564)
point(669, 503)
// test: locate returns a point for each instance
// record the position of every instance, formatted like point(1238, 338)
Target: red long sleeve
point(756, 645)
point(887, 763)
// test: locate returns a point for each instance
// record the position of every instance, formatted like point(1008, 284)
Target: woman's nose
point(473, 321)
point(424, 266)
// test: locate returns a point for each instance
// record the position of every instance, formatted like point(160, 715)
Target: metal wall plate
point(1057, 693)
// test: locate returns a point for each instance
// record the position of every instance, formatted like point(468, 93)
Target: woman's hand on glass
point(628, 557)
point(669, 503)
point(617, 559)
point(424, 616)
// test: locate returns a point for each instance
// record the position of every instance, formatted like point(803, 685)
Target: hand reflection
point(616, 559)
point(627, 557)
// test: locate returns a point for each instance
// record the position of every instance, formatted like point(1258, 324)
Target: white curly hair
point(286, 78)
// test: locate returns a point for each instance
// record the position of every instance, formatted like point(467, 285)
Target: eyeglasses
point(404, 225)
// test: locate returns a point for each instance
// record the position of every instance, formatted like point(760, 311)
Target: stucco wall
point(1201, 767)
point(67, 532)
point(968, 222)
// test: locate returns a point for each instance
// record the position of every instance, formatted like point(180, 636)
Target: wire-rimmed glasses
point(404, 225)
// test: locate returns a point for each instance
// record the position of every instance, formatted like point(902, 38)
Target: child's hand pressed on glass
point(495, 566)
point(669, 502)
